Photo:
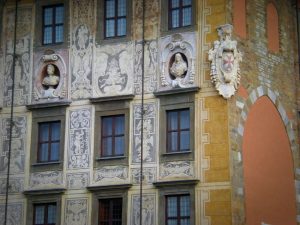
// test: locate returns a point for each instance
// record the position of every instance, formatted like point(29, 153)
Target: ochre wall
point(268, 167)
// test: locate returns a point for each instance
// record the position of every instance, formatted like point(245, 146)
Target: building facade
point(205, 93)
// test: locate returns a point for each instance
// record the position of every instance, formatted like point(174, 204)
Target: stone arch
point(272, 27)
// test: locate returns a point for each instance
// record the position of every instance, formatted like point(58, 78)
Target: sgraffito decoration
point(76, 212)
point(15, 213)
point(148, 210)
point(225, 58)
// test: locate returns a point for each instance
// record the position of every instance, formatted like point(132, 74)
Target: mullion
point(180, 13)
point(113, 136)
point(178, 130)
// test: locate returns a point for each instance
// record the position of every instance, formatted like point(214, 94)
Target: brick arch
point(272, 27)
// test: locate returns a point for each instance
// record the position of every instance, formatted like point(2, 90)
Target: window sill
point(177, 153)
point(110, 158)
point(46, 163)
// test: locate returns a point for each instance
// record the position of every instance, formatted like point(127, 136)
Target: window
point(112, 135)
point(53, 24)
point(110, 211)
point(115, 12)
point(44, 214)
point(49, 141)
point(180, 13)
point(178, 130)
point(178, 210)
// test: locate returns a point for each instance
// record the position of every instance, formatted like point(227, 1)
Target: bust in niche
point(50, 81)
point(178, 69)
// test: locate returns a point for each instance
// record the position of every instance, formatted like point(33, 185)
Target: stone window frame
point(47, 114)
point(100, 38)
point(38, 39)
point(165, 29)
point(173, 102)
point(171, 188)
point(43, 198)
point(117, 105)
point(109, 192)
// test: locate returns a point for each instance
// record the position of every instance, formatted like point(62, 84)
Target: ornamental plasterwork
point(148, 210)
point(47, 179)
point(50, 81)
point(177, 169)
point(225, 58)
point(177, 61)
point(111, 174)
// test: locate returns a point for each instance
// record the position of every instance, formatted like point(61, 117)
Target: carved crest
point(225, 58)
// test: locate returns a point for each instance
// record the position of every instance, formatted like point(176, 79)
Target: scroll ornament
point(224, 67)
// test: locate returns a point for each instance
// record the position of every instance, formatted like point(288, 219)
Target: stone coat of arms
point(225, 58)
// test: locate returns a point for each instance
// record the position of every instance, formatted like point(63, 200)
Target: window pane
point(110, 28)
point(186, 2)
point(106, 126)
point(59, 33)
point(119, 146)
point(172, 222)
point(104, 211)
point(175, 3)
point(54, 152)
point(47, 35)
point(185, 222)
point(172, 120)
point(186, 16)
point(121, 27)
point(39, 214)
point(185, 119)
point(51, 214)
point(43, 153)
point(172, 206)
point(59, 16)
point(117, 209)
point(185, 206)
point(110, 8)
point(48, 16)
point(184, 140)
point(122, 8)
point(175, 18)
point(172, 141)
point(107, 146)
point(119, 125)
point(44, 131)
point(55, 128)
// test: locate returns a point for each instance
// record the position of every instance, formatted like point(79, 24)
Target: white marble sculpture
point(225, 58)
point(50, 81)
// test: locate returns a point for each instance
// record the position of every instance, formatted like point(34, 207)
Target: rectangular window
point(180, 13)
point(178, 210)
point(110, 211)
point(115, 12)
point(48, 141)
point(112, 135)
point(53, 24)
point(178, 130)
point(44, 214)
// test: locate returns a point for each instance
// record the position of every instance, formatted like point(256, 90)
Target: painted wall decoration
point(76, 212)
point(15, 213)
point(149, 174)
point(111, 174)
point(177, 61)
point(225, 59)
point(1, 76)
point(149, 147)
point(82, 48)
point(150, 73)
point(22, 62)
point(16, 185)
point(50, 80)
point(148, 210)
point(114, 70)
point(78, 180)
point(47, 179)
point(18, 145)
point(176, 169)
point(79, 139)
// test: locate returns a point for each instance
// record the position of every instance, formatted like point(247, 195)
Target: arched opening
point(270, 195)
point(272, 28)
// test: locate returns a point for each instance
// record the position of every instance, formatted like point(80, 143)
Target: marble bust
point(179, 66)
point(50, 81)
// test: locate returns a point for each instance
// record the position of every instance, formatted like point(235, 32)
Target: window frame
point(53, 24)
point(46, 209)
point(111, 202)
point(178, 217)
point(180, 8)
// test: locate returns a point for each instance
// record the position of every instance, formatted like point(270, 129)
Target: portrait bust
point(179, 66)
point(51, 79)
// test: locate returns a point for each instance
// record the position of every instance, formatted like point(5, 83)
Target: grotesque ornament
point(225, 58)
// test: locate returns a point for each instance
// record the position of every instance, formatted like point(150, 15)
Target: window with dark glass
point(49, 141)
point(110, 211)
point(178, 210)
point(178, 130)
point(115, 18)
point(112, 135)
point(53, 24)
point(44, 214)
point(180, 13)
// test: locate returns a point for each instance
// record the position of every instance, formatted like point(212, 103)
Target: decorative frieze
point(78, 180)
point(49, 179)
point(148, 210)
point(176, 169)
point(149, 174)
point(76, 212)
point(111, 174)
point(16, 185)
point(15, 213)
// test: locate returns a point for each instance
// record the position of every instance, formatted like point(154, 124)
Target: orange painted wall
point(272, 28)
point(239, 17)
point(268, 167)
